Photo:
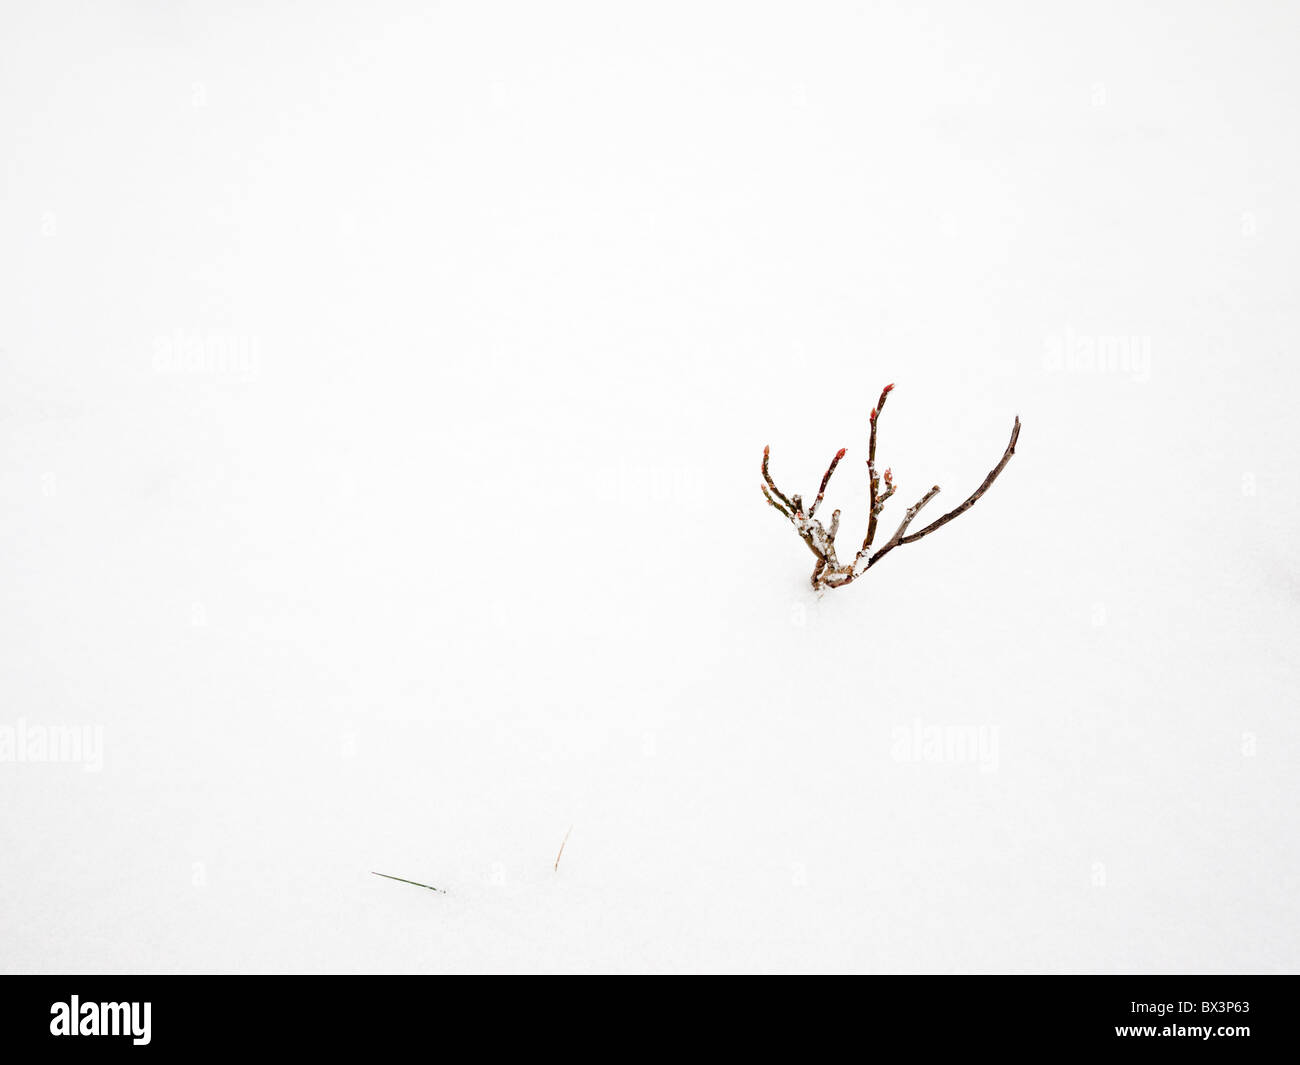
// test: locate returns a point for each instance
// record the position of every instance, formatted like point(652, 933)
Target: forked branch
point(828, 572)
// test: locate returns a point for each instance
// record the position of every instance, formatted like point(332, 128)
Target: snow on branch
point(828, 571)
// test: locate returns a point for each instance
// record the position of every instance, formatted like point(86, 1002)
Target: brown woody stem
point(828, 572)
point(897, 538)
point(772, 484)
point(993, 476)
point(821, 492)
point(873, 506)
point(773, 501)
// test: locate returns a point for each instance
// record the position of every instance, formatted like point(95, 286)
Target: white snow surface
point(382, 398)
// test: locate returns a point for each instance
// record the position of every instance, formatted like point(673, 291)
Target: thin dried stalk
point(561, 851)
point(413, 883)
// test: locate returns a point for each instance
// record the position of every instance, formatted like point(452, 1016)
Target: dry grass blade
point(415, 883)
point(561, 853)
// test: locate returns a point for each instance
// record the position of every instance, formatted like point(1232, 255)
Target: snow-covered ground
point(382, 394)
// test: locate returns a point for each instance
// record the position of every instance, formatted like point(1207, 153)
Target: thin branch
point(875, 413)
point(873, 508)
point(890, 489)
point(772, 484)
point(854, 572)
point(826, 478)
point(773, 501)
point(897, 538)
point(993, 476)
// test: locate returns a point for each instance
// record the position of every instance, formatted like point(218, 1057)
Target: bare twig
point(828, 572)
point(773, 501)
point(825, 478)
point(993, 476)
point(873, 507)
point(893, 541)
point(772, 484)
point(912, 512)
point(890, 489)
